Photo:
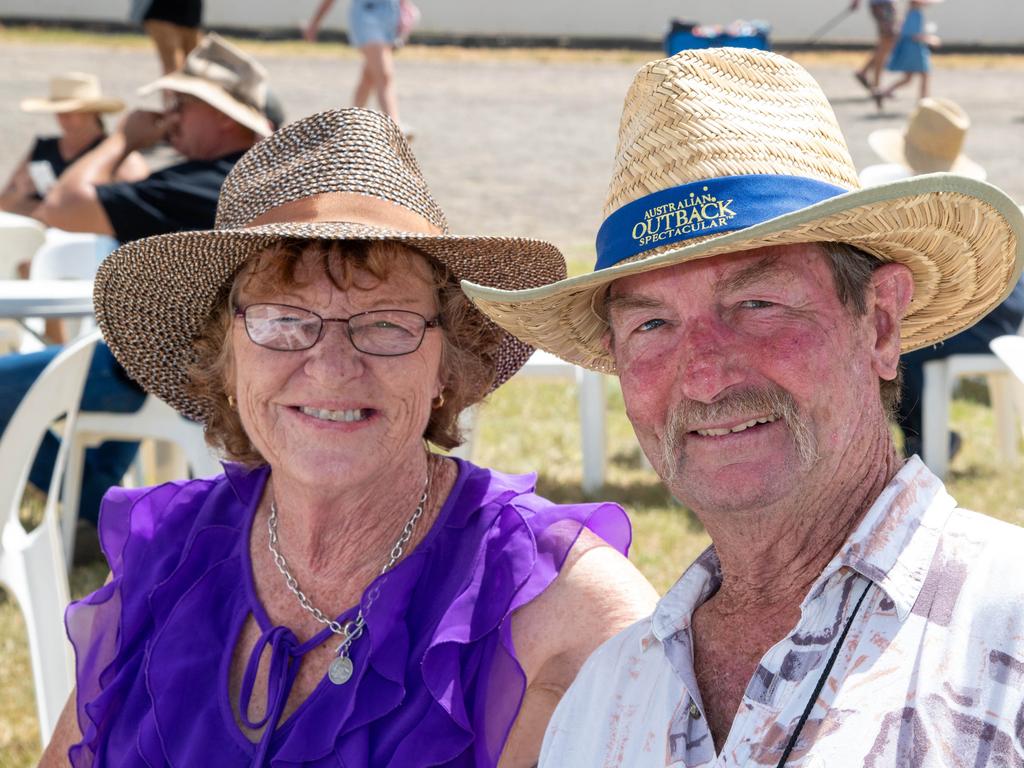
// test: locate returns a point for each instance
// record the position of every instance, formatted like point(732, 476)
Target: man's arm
point(72, 203)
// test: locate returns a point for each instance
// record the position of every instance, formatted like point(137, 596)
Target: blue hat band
point(710, 207)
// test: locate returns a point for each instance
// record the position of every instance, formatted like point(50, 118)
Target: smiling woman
point(342, 594)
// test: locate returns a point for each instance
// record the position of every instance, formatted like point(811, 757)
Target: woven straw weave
point(731, 112)
point(153, 296)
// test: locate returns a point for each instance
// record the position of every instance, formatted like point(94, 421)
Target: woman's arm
point(65, 735)
point(597, 594)
point(312, 27)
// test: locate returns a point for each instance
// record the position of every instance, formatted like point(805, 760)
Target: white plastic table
point(22, 299)
point(45, 298)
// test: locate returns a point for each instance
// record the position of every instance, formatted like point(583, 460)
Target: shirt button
point(694, 710)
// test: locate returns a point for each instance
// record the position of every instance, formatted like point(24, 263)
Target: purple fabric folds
point(436, 681)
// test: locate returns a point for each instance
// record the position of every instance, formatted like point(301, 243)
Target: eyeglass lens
point(383, 332)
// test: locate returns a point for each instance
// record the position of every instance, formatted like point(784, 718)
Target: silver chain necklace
point(341, 667)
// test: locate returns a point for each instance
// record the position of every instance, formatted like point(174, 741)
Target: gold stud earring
point(438, 401)
point(231, 401)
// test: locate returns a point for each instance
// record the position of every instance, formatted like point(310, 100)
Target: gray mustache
point(742, 405)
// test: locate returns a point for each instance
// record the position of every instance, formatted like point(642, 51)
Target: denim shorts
point(373, 21)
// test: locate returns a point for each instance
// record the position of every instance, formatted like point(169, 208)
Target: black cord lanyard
point(821, 681)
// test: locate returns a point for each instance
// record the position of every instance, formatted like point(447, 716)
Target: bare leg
point(924, 84)
point(364, 88)
point(166, 39)
point(885, 46)
point(189, 38)
point(381, 70)
point(888, 92)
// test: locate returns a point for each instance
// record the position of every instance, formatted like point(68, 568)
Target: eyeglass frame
point(435, 322)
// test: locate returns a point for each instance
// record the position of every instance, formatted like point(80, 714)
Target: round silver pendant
point(340, 670)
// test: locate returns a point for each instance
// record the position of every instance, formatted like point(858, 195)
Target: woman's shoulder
point(165, 517)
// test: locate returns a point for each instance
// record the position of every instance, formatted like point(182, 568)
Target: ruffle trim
point(523, 543)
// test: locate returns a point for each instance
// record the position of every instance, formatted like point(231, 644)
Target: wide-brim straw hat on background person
point(730, 149)
point(347, 174)
point(73, 92)
point(226, 78)
point(931, 142)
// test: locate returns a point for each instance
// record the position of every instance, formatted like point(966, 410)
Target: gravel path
point(519, 145)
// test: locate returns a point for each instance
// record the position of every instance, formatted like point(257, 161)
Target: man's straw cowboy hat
point(727, 149)
point(347, 174)
point(73, 92)
point(931, 142)
point(226, 78)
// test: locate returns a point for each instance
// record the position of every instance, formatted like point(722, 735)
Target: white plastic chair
point(1010, 349)
point(32, 562)
point(156, 421)
point(590, 389)
point(68, 256)
point(20, 238)
point(940, 377)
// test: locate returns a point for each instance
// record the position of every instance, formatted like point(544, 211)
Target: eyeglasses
point(382, 332)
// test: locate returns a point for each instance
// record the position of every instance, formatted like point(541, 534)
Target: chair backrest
point(20, 239)
point(1010, 349)
point(70, 255)
point(55, 394)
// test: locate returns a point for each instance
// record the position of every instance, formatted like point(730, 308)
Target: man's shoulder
point(976, 579)
point(619, 663)
point(985, 536)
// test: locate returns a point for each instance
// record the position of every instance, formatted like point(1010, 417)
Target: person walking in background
point(884, 14)
point(373, 28)
point(78, 104)
point(174, 26)
point(912, 54)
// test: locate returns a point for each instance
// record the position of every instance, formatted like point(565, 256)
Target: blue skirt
point(373, 21)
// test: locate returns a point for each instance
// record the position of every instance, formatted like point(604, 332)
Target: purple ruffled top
point(436, 680)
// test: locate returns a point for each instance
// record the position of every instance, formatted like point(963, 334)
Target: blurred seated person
point(217, 114)
point(932, 142)
point(78, 104)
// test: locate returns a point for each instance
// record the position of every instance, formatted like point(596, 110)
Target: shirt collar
point(893, 546)
point(895, 542)
point(675, 610)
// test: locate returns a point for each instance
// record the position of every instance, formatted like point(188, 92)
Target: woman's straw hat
point(347, 174)
point(226, 78)
point(931, 141)
point(729, 149)
point(73, 92)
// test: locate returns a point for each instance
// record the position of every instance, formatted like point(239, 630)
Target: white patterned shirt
point(931, 672)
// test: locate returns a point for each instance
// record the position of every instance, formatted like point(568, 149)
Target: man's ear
point(892, 288)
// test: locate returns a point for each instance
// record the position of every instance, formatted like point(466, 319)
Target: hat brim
point(60, 106)
point(890, 145)
point(153, 297)
point(961, 239)
point(216, 97)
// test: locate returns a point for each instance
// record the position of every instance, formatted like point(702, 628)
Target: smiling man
point(848, 611)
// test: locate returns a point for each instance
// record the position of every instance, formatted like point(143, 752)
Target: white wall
point(1001, 22)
